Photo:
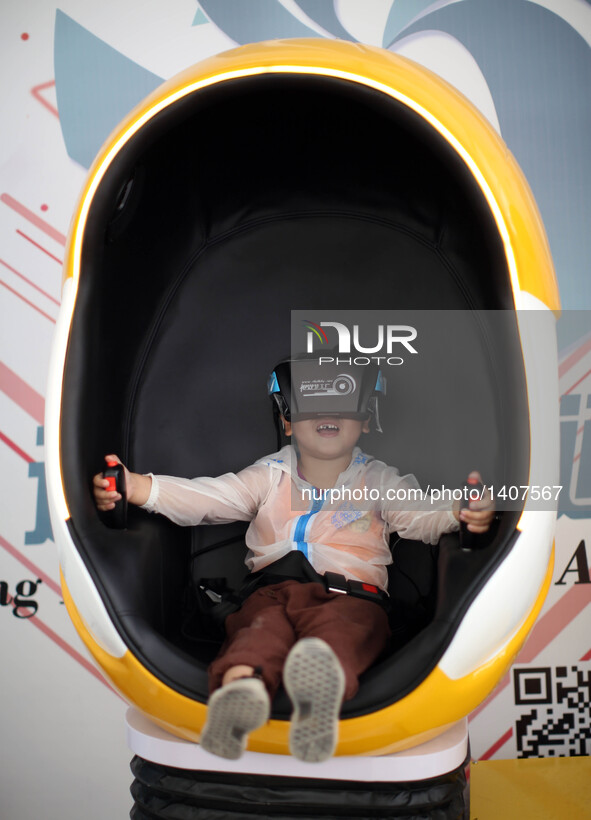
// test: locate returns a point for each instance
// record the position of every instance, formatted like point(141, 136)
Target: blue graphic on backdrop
point(42, 531)
point(199, 18)
point(538, 70)
point(257, 20)
point(402, 13)
point(575, 455)
point(323, 12)
point(96, 87)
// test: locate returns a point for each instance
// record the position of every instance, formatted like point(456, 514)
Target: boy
point(318, 640)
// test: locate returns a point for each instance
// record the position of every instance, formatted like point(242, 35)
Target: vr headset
point(308, 387)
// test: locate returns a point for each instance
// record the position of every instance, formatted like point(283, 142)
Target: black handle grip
point(472, 491)
point(117, 517)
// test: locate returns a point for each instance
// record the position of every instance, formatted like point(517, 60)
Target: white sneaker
point(234, 711)
point(315, 682)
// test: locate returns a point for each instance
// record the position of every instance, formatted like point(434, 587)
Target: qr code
point(557, 722)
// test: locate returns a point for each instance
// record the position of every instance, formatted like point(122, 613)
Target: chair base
point(175, 779)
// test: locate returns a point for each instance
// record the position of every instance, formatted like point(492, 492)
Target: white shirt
point(347, 533)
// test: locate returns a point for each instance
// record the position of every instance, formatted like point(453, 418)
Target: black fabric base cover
point(182, 794)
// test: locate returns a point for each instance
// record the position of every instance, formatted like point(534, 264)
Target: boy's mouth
point(327, 429)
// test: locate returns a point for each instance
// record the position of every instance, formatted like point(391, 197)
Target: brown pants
point(274, 617)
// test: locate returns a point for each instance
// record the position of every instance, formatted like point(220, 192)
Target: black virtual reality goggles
point(309, 387)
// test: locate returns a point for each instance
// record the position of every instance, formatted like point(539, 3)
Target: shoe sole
point(233, 712)
point(315, 682)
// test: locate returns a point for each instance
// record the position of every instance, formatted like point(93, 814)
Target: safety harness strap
point(292, 567)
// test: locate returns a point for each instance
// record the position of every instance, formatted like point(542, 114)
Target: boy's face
point(326, 437)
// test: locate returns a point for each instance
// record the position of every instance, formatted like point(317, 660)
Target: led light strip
point(287, 69)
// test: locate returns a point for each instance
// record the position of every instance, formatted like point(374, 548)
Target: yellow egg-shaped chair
point(304, 174)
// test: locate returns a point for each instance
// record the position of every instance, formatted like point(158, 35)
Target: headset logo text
point(342, 385)
point(389, 340)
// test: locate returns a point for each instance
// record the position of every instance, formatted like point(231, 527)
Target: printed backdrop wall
point(70, 72)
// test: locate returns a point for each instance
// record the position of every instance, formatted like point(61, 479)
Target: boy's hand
point(138, 488)
point(479, 514)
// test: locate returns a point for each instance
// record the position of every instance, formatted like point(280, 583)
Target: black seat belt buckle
point(336, 583)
